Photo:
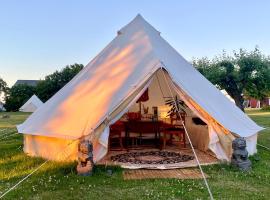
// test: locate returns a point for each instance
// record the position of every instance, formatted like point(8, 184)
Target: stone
point(240, 155)
point(85, 164)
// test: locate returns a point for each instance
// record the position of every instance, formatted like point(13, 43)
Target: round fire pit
point(151, 157)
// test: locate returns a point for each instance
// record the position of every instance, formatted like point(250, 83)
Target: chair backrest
point(117, 126)
point(176, 118)
point(134, 116)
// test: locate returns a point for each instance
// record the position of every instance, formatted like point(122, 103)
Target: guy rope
point(187, 134)
point(32, 172)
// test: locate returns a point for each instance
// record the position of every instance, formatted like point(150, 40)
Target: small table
point(143, 127)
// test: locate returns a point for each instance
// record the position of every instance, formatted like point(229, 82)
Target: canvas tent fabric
point(31, 105)
point(113, 80)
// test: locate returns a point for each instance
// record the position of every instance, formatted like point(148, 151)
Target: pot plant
point(176, 105)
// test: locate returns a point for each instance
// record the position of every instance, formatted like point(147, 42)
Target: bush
point(266, 108)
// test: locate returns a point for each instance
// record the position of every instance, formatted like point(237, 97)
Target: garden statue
point(85, 158)
point(240, 155)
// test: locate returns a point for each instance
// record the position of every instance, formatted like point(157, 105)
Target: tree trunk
point(234, 91)
point(239, 103)
point(239, 100)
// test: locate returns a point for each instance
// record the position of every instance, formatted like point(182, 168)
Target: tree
point(3, 89)
point(17, 96)
point(54, 82)
point(3, 86)
point(244, 73)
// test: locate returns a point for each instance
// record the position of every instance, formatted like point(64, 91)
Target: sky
point(39, 37)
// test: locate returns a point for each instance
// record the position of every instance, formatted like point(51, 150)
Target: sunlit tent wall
point(111, 84)
point(31, 105)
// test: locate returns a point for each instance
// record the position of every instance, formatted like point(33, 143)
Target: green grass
point(59, 180)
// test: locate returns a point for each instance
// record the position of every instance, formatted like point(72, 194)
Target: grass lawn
point(59, 180)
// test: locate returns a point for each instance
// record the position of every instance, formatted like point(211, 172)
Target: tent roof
point(135, 54)
point(33, 100)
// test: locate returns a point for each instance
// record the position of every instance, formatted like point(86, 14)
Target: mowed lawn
point(59, 180)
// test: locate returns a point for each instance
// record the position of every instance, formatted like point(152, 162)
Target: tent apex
point(138, 23)
point(139, 16)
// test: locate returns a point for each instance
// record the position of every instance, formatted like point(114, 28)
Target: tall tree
point(244, 73)
point(3, 88)
point(3, 85)
point(54, 82)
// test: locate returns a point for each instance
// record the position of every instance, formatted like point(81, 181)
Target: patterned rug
point(151, 157)
point(205, 158)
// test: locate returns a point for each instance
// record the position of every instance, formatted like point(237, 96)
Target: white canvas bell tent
point(112, 82)
point(31, 105)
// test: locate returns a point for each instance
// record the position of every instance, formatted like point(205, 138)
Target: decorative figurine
point(240, 155)
point(85, 158)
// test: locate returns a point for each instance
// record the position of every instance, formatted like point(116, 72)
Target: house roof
point(26, 82)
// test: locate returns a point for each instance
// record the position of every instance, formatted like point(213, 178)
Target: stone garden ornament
point(240, 155)
point(85, 158)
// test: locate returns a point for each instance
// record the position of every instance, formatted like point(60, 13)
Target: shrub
point(266, 108)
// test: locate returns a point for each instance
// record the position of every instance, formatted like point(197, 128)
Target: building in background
point(26, 82)
point(255, 103)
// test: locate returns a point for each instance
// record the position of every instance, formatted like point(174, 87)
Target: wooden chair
point(175, 130)
point(116, 133)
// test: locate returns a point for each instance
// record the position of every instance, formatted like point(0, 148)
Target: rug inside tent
point(155, 159)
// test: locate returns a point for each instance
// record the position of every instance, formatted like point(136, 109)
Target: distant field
point(59, 180)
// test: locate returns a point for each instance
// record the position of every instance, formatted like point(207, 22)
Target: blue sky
point(39, 37)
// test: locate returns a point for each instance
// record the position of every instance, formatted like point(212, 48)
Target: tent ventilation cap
point(119, 32)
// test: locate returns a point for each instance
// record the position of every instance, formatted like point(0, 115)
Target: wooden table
point(147, 127)
point(143, 127)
